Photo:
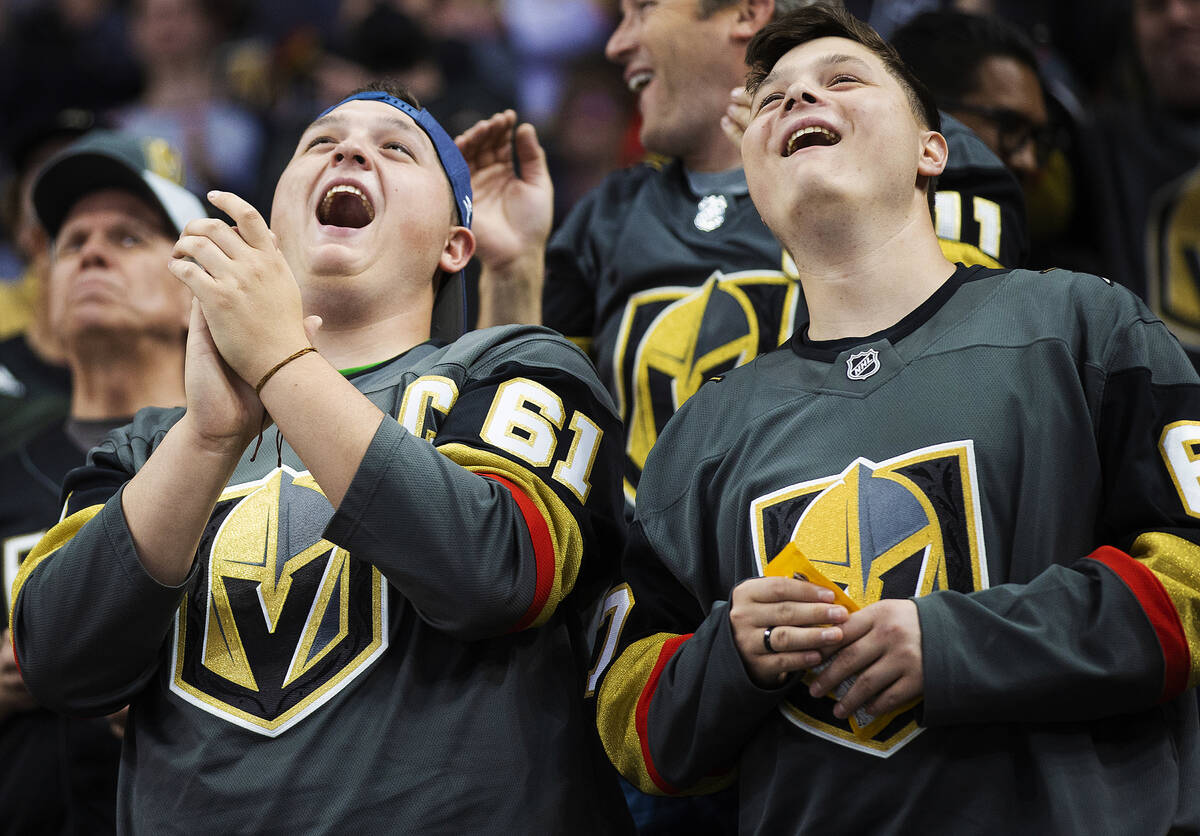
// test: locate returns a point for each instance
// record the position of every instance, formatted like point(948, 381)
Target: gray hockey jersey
point(411, 663)
point(1019, 456)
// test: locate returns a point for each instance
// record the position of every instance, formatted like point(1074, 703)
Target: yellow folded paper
point(791, 563)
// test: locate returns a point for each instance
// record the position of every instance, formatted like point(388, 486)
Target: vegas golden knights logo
point(282, 619)
point(1173, 278)
point(901, 528)
point(672, 339)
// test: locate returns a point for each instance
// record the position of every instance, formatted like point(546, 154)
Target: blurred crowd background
point(1094, 106)
point(230, 83)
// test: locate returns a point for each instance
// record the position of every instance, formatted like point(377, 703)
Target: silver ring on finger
point(767, 640)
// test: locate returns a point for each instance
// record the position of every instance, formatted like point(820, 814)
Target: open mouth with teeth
point(807, 137)
point(346, 206)
point(638, 81)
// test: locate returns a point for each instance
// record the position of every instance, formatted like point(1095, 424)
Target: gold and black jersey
point(412, 662)
point(665, 288)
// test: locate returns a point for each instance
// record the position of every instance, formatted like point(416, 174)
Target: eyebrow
point(403, 124)
point(129, 221)
point(824, 62)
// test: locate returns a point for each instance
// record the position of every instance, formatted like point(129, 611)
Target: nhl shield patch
point(710, 212)
point(863, 364)
point(900, 528)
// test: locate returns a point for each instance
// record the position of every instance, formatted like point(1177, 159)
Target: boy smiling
point(995, 466)
point(379, 628)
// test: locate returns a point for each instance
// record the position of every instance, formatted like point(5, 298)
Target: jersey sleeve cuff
point(1159, 608)
point(729, 704)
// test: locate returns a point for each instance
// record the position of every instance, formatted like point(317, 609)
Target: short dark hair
point(392, 87)
point(824, 20)
point(945, 49)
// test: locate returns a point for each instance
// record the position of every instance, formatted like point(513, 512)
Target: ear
point(460, 246)
point(934, 153)
point(751, 15)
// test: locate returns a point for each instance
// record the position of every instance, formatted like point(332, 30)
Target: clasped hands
point(246, 317)
point(879, 644)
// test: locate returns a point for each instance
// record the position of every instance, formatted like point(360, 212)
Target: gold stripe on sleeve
point(53, 540)
point(1175, 562)
point(564, 528)
point(617, 718)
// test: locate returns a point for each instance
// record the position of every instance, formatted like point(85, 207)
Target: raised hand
point(737, 115)
point(249, 297)
point(513, 214)
point(222, 408)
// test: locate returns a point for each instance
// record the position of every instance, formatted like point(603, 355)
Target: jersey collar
point(828, 350)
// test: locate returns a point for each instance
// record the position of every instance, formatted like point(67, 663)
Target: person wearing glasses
point(994, 87)
point(983, 72)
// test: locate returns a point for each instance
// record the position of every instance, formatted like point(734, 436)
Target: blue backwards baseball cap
point(449, 320)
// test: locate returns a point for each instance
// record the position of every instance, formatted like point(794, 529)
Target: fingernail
point(825, 595)
point(831, 635)
point(815, 690)
point(836, 613)
point(212, 194)
point(735, 91)
point(839, 712)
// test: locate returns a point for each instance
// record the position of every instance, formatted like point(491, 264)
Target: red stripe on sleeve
point(543, 550)
point(643, 710)
point(1162, 614)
